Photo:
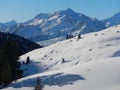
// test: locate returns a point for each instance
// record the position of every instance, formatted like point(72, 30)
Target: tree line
point(9, 64)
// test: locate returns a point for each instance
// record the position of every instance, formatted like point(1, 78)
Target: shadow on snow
point(117, 54)
point(58, 79)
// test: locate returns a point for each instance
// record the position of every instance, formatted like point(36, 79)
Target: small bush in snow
point(118, 31)
point(90, 49)
point(51, 59)
point(45, 55)
point(102, 33)
point(108, 44)
point(95, 34)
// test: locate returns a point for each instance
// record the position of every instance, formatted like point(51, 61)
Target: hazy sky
point(23, 10)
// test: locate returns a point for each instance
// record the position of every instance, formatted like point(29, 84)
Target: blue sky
point(23, 10)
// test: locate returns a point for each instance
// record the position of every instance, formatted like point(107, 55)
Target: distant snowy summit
point(55, 25)
point(114, 20)
point(10, 23)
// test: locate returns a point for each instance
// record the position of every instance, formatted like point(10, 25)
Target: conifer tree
point(67, 37)
point(38, 85)
point(10, 66)
point(28, 60)
point(6, 74)
point(79, 36)
point(63, 60)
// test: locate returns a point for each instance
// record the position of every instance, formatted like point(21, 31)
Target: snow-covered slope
point(54, 25)
point(90, 63)
point(114, 20)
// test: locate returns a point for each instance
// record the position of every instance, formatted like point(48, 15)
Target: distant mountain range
point(58, 24)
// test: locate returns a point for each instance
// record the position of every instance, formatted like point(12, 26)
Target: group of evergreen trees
point(9, 64)
point(23, 44)
point(71, 36)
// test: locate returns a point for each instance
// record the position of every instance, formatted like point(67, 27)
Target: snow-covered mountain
point(11, 23)
point(7, 24)
point(1, 24)
point(54, 25)
point(114, 20)
point(90, 63)
point(4, 27)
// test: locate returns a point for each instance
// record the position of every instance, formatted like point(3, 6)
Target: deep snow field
point(90, 63)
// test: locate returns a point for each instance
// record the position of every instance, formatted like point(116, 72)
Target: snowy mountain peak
point(69, 10)
point(41, 16)
point(117, 15)
point(10, 23)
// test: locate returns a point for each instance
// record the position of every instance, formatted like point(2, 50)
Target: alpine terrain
point(87, 63)
point(54, 26)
